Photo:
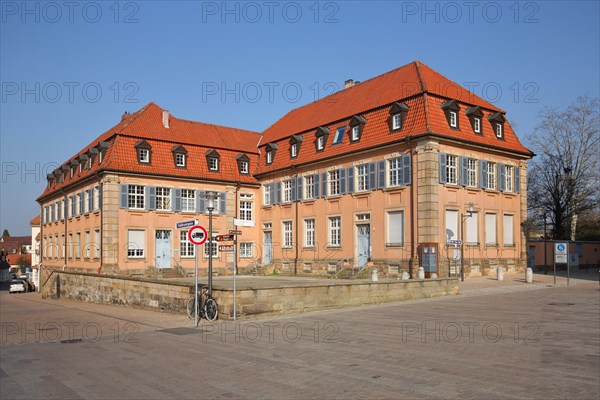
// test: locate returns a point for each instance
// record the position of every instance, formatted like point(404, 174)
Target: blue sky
point(68, 72)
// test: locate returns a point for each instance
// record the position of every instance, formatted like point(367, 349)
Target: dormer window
point(243, 164)
point(102, 146)
point(474, 114)
point(84, 159)
point(451, 109)
point(143, 151)
point(357, 124)
point(398, 113)
point(295, 143)
point(212, 159)
point(74, 165)
point(321, 137)
point(270, 152)
point(339, 135)
point(497, 121)
point(179, 156)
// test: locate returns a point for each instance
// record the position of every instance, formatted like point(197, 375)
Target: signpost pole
point(568, 264)
point(234, 271)
point(554, 264)
point(196, 305)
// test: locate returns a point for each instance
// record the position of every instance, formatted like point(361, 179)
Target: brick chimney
point(165, 119)
point(349, 83)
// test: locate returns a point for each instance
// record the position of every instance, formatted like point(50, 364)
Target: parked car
point(29, 282)
point(18, 286)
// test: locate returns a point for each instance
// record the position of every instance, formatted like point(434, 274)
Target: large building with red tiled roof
point(404, 170)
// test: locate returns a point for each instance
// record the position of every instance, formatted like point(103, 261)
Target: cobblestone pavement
point(496, 340)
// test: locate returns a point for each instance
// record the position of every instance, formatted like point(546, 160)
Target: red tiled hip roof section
point(36, 221)
point(404, 82)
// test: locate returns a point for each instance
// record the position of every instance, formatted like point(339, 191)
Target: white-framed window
point(62, 246)
point(97, 198)
point(144, 155)
point(320, 142)
point(335, 231)
point(246, 201)
point(87, 249)
point(451, 170)
point(508, 178)
point(180, 159)
point(71, 246)
point(97, 244)
point(213, 164)
point(339, 135)
point(186, 248)
point(394, 171)
point(309, 232)
point(286, 188)
point(490, 229)
point(163, 198)
point(78, 246)
point(472, 229)
point(499, 132)
point(86, 202)
point(267, 194)
point(211, 245)
point(363, 217)
point(309, 187)
point(395, 228)
point(451, 225)
point(453, 119)
point(244, 168)
point(246, 250)
point(477, 124)
point(287, 234)
point(396, 121)
point(135, 197)
point(188, 200)
point(334, 182)
point(269, 156)
point(136, 242)
point(88, 163)
point(508, 230)
point(471, 172)
point(294, 150)
point(100, 157)
point(362, 177)
point(355, 132)
point(491, 175)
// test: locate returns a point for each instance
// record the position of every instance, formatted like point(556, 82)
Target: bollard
point(374, 276)
point(433, 275)
point(405, 276)
point(421, 273)
point(500, 273)
point(529, 275)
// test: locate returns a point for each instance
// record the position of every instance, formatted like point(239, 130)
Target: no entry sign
point(197, 235)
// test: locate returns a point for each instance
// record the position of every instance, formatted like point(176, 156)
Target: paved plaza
point(496, 339)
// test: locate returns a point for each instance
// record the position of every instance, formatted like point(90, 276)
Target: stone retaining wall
point(173, 296)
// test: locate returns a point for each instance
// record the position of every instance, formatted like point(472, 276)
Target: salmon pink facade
point(402, 171)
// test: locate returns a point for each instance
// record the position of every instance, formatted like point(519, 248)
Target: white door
point(268, 248)
point(363, 244)
point(163, 249)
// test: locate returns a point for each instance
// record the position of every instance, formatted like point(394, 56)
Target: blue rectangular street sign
point(186, 224)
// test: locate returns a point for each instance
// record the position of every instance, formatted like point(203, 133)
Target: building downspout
point(66, 224)
point(235, 215)
point(100, 188)
point(413, 210)
point(296, 222)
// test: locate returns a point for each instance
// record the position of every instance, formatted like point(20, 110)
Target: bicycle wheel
point(191, 308)
point(211, 311)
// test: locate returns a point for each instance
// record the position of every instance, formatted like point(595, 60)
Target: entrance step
point(168, 273)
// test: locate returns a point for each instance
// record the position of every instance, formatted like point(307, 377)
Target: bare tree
point(564, 177)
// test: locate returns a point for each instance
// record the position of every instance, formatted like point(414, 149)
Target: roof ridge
point(215, 125)
point(421, 81)
point(426, 109)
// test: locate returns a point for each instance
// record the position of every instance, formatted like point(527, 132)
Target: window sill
point(311, 200)
point(334, 197)
point(309, 248)
point(472, 244)
point(511, 194)
point(473, 188)
point(496, 191)
point(334, 247)
point(394, 188)
point(188, 257)
point(491, 245)
point(510, 246)
point(394, 245)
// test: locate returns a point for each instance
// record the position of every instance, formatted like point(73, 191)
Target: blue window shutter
point(299, 193)
point(177, 199)
point(73, 201)
point(81, 200)
point(222, 202)
point(407, 168)
point(372, 176)
point(381, 178)
point(278, 192)
point(324, 185)
point(66, 210)
point(343, 181)
point(293, 188)
point(91, 200)
point(350, 179)
point(202, 202)
point(151, 193)
point(501, 177)
point(316, 186)
point(272, 195)
point(99, 198)
point(464, 166)
point(483, 174)
point(517, 179)
point(443, 178)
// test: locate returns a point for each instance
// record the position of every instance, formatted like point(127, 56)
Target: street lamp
point(545, 262)
point(462, 246)
point(211, 197)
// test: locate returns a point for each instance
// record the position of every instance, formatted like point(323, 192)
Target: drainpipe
point(413, 209)
point(66, 223)
point(296, 221)
point(100, 188)
point(236, 211)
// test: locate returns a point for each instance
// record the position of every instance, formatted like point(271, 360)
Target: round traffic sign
point(197, 235)
point(561, 247)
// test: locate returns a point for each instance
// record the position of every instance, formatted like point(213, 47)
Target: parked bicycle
point(206, 304)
